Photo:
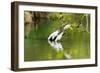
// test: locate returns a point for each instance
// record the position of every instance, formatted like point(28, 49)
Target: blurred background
point(39, 25)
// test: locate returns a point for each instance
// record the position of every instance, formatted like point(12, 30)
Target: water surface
point(75, 45)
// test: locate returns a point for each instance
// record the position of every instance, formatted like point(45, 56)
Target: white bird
point(57, 35)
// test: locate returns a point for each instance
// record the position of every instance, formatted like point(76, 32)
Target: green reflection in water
point(75, 44)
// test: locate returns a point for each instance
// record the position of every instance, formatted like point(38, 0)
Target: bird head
point(68, 26)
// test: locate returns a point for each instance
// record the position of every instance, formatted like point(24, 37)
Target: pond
point(74, 45)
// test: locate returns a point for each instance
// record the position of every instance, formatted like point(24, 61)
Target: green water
point(40, 49)
point(76, 44)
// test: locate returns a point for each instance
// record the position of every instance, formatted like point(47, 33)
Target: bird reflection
point(59, 48)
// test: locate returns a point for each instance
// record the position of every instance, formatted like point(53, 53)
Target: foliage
point(75, 41)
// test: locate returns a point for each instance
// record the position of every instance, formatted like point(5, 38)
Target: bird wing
point(59, 36)
point(52, 35)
